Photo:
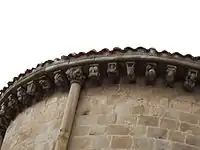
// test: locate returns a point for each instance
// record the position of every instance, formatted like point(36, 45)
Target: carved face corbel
point(190, 80)
point(113, 71)
point(170, 75)
point(94, 74)
point(94, 71)
point(59, 78)
point(150, 73)
point(5, 113)
point(11, 101)
point(22, 96)
point(31, 88)
point(45, 83)
point(130, 68)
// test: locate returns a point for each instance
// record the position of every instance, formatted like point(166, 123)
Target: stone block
point(86, 120)
point(193, 140)
point(121, 142)
point(143, 144)
point(157, 133)
point(140, 109)
point(176, 136)
point(172, 114)
point(80, 130)
point(190, 118)
point(169, 124)
point(157, 111)
point(138, 131)
point(107, 119)
point(179, 146)
point(190, 128)
point(97, 130)
point(180, 105)
point(148, 120)
point(118, 129)
point(77, 143)
point(163, 145)
point(99, 142)
point(164, 102)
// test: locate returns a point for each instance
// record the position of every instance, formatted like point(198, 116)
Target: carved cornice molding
point(28, 88)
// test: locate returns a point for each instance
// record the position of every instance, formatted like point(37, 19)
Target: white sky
point(34, 31)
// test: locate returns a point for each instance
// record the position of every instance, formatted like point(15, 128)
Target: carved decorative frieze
point(170, 75)
point(113, 72)
point(190, 80)
point(22, 96)
point(75, 74)
point(59, 79)
point(130, 68)
point(150, 73)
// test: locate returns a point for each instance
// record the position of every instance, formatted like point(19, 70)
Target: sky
point(32, 32)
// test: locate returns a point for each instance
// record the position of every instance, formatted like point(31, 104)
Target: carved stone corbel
point(94, 74)
point(45, 84)
point(23, 97)
point(190, 80)
point(113, 72)
point(75, 75)
point(31, 88)
point(59, 79)
point(5, 115)
point(130, 68)
point(14, 104)
point(170, 75)
point(150, 73)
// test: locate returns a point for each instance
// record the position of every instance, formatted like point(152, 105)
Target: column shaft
point(68, 117)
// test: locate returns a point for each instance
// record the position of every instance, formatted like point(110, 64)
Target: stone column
point(76, 78)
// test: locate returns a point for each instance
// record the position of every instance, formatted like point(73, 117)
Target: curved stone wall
point(136, 117)
point(136, 102)
point(37, 127)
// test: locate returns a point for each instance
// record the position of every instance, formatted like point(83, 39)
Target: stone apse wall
point(113, 117)
point(37, 127)
point(130, 99)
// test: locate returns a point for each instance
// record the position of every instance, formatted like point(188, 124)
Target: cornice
point(29, 87)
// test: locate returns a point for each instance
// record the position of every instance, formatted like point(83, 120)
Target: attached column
point(76, 78)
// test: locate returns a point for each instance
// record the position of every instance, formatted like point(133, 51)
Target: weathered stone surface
point(148, 120)
point(114, 117)
point(157, 133)
point(140, 109)
point(176, 136)
point(143, 144)
point(190, 118)
point(189, 128)
point(138, 131)
point(121, 142)
point(193, 140)
point(169, 124)
point(37, 127)
point(118, 130)
point(178, 146)
point(162, 145)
